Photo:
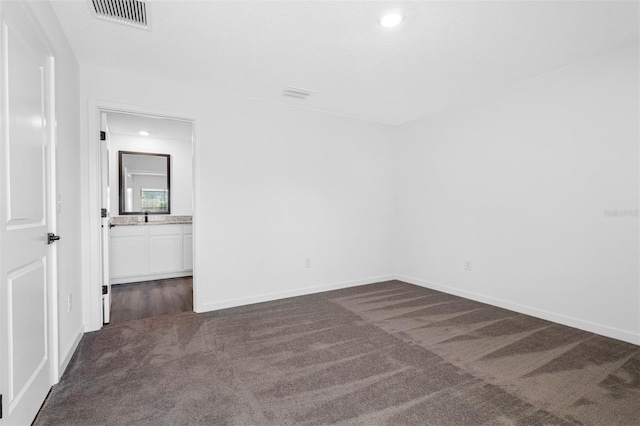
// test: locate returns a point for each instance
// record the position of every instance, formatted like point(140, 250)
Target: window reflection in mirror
point(144, 183)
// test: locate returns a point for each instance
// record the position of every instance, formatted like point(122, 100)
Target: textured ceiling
point(444, 53)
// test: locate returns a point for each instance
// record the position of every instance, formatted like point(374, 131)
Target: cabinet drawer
point(187, 229)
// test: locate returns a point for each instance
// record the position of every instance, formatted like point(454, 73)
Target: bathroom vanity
point(147, 242)
point(150, 251)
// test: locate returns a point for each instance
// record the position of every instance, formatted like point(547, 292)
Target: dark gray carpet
point(387, 353)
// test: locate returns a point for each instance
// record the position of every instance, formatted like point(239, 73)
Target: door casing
point(92, 296)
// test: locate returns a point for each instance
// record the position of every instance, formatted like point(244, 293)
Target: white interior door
point(27, 320)
point(106, 215)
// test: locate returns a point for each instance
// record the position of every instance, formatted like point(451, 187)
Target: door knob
point(52, 238)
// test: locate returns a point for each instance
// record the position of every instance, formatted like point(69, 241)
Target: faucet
point(146, 216)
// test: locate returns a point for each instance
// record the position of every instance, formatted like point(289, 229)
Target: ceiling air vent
point(296, 92)
point(128, 12)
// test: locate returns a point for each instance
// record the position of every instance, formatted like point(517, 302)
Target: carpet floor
point(386, 353)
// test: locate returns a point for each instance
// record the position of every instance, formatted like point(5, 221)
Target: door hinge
point(103, 212)
point(103, 136)
point(105, 289)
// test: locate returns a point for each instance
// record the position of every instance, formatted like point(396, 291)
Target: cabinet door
point(165, 249)
point(128, 252)
point(187, 244)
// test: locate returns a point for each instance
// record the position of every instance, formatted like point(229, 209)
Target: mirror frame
point(120, 182)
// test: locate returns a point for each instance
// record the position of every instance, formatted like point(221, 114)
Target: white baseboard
point(206, 307)
point(67, 357)
point(592, 327)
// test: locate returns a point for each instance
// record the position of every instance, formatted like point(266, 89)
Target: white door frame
point(92, 294)
point(52, 188)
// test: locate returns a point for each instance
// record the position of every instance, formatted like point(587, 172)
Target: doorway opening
point(148, 299)
point(147, 204)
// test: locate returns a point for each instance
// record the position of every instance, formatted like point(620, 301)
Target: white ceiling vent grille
point(297, 92)
point(128, 12)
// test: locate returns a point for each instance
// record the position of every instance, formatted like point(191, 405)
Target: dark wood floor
point(151, 299)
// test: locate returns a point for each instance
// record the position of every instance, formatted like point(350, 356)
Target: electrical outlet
point(467, 265)
point(69, 303)
point(307, 262)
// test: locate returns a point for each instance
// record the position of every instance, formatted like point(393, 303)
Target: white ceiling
point(443, 53)
point(162, 128)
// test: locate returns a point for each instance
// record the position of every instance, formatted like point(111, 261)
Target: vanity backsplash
point(153, 220)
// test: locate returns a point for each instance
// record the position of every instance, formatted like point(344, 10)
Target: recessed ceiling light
point(143, 133)
point(391, 19)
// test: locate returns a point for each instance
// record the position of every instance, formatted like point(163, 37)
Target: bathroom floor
point(133, 301)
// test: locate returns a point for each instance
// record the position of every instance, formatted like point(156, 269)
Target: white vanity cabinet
point(165, 248)
point(187, 244)
point(128, 252)
point(150, 252)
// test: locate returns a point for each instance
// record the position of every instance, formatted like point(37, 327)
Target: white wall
point(278, 185)
point(68, 179)
point(286, 184)
point(519, 183)
point(181, 168)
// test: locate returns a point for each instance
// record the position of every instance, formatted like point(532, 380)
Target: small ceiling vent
point(296, 92)
point(128, 12)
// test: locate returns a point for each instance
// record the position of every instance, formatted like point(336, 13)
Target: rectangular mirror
point(144, 183)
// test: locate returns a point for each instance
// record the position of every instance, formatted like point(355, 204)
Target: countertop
point(138, 220)
point(151, 223)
